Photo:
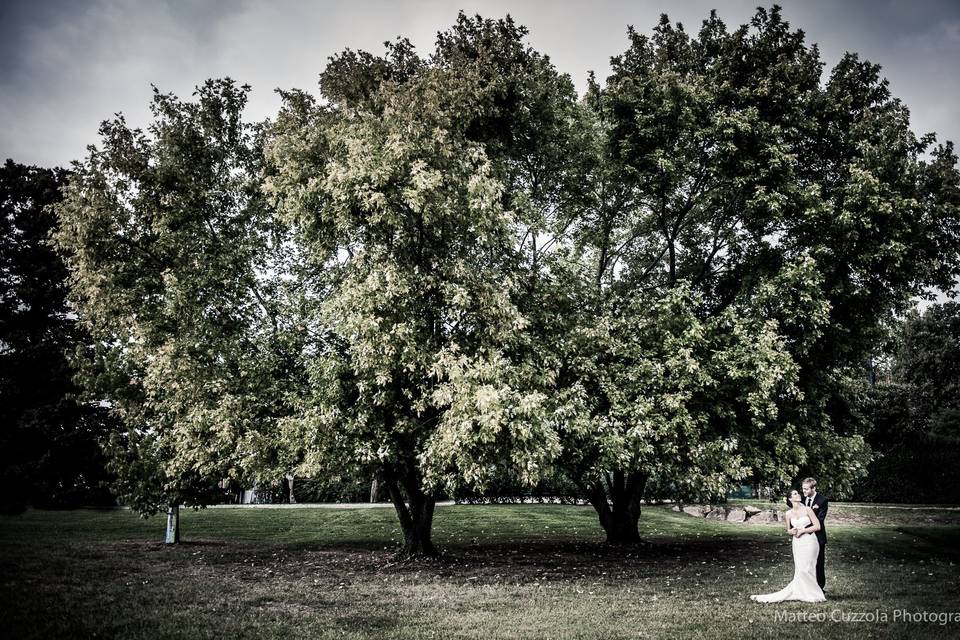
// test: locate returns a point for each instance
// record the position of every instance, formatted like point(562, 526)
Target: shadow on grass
point(673, 544)
point(486, 562)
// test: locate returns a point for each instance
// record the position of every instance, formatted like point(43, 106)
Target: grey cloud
point(68, 65)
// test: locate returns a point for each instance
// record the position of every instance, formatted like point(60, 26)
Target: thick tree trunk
point(173, 525)
point(618, 505)
point(415, 514)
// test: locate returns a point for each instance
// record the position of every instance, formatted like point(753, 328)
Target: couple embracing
point(804, 522)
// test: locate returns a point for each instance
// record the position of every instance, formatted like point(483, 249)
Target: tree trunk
point(373, 490)
point(415, 514)
point(173, 525)
point(618, 505)
point(622, 526)
point(292, 499)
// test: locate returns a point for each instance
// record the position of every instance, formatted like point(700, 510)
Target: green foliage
point(508, 488)
point(399, 193)
point(927, 362)
point(338, 488)
point(684, 400)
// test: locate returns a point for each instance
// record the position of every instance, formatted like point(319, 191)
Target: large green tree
point(806, 212)
point(178, 271)
point(412, 190)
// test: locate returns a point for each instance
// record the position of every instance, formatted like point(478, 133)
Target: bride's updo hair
point(790, 493)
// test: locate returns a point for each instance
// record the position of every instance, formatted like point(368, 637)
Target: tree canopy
point(451, 267)
point(913, 407)
point(721, 166)
point(401, 189)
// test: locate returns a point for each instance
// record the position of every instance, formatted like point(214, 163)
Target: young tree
point(176, 268)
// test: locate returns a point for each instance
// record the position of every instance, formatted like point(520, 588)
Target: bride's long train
point(804, 585)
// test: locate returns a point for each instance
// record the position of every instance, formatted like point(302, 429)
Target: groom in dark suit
point(818, 503)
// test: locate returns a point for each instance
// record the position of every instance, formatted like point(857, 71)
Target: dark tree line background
point(914, 406)
point(49, 440)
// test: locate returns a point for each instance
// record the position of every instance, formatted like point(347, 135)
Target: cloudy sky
point(68, 64)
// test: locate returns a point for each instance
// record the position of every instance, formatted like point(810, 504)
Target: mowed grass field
point(524, 571)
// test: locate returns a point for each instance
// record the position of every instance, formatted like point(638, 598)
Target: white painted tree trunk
point(173, 525)
point(290, 482)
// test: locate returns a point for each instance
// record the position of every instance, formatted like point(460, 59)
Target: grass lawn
point(526, 571)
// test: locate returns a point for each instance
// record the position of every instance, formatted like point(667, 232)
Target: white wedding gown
point(804, 585)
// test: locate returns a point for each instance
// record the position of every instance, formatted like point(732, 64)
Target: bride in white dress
point(802, 524)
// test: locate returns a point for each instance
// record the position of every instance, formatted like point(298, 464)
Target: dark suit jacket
point(821, 504)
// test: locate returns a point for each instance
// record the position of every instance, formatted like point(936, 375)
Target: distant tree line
point(914, 409)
